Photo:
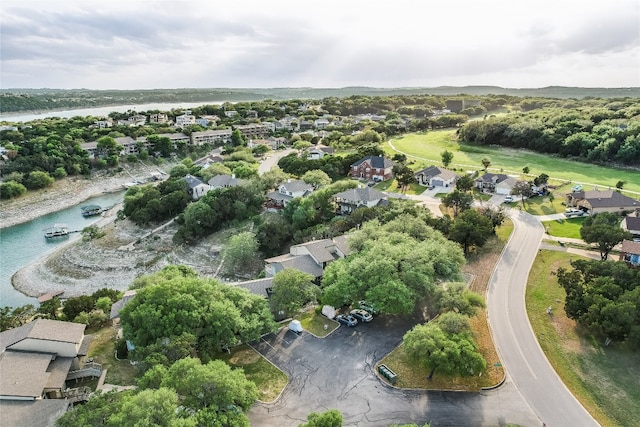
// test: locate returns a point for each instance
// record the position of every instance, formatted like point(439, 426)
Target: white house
point(186, 119)
point(197, 188)
point(288, 191)
point(435, 176)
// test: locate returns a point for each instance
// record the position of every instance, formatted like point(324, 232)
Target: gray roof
point(118, 305)
point(496, 178)
point(342, 244)
point(225, 181)
point(41, 413)
point(24, 374)
point(377, 162)
point(296, 186)
point(320, 250)
point(433, 171)
point(609, 199)
point(304, 263)
point(192, 181)
point(43, 329)
point(365, 194)
point(258, 287)
point(633, 223)
point(84, 346)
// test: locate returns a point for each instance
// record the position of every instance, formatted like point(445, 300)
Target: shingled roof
point(377, 162)
point(43, 329)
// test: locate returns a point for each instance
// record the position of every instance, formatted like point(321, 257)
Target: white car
point(508, 199)
point(573, 212)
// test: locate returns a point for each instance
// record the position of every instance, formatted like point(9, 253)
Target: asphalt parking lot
point(337, 372)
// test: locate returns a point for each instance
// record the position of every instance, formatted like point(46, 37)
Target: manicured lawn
point(269, 379)
point(603, 378)
point(569, 227)
point(424, 149)
point(317, 324)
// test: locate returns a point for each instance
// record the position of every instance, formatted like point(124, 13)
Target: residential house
point(102, 124)
point(435, 176)
point(185, 119)
point(159, 118)
point(251, 114)
point(225, 181)
point(288, 191)
point(596, 201)
point(36, 360)
point(213, 137)
point(204, 122)
point(319, 151)
point(208, 160)
point(498, 183)
point(197, 188)
point(352, 199)
point(630, 252)
point(632, 225)
point(230, 113)
point(311, 257)
point(320, 123)
point(373, 168)
point(119, 305)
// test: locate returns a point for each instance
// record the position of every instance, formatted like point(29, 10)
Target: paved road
point(272, 160)
point(337, 372)
point(526, 364)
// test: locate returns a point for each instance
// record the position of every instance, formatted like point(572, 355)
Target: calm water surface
point(24, 243)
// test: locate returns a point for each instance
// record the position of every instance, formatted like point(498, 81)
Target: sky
point(147, 44)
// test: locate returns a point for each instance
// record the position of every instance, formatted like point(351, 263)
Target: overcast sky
point(137, 44)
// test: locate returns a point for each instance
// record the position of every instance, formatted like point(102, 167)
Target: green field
point(603, 378)
point(425, 148)
point(564, 228)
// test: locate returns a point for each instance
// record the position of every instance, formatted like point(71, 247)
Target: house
point(36, 360)
point(373, 168)
point(435, 176)
point(630, 252)
point(158, 118)
point(632, 225)
point(197, 188)
point(208, 160)
point(311, 257)
point(185, 119)
point(596, 201)
point(319, 151)
point(225, 181)
point(350, 200)
point(118, 305)
point(498, 183)
point(230, 113)
point(288, 191)
point(202, 121)
point(320, 123)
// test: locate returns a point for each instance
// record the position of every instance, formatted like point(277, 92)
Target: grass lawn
point(569, 227)
point(102, 349)
point(269, 379)
point(315, 323)
point(603, 378)
point(424, 149)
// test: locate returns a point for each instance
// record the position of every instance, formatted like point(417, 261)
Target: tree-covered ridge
point(14, 100)
point(596, 134)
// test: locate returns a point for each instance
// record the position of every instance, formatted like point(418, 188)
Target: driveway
point(272, 160)
point(337, 372)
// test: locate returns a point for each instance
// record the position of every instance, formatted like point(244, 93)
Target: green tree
point(329, 418)
point(317, 178)
point(457, 298)
point(404, 175)
point(50, 309)
point(486, 162)
point(458, 200)
point(464, 183)
point(108, 146)
point(11, 189)
point(447, 157)
point(393, 266)
point(237, 139)
point(292, 289)
point(604, 230)
point(38, 179)
point(76, 305)
point(175, 301)
point(273, 233)
point(14, 317)
point(526, 170)
point(240, 253)
point(471, 228)
point(150, 408)
point(620, 184)
point(449, 353)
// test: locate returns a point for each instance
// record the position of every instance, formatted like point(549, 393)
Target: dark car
point(346, 319)
point(362, 315)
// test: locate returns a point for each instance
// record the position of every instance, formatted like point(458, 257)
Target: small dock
point(58, 230)
point(46, 297)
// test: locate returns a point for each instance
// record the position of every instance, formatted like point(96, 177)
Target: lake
point(25, 243)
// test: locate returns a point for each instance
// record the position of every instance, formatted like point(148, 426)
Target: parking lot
point(337, 372)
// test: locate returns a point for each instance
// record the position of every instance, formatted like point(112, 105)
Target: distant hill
point(20, 100)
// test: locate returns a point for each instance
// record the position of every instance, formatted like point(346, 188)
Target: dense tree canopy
point(393, 266)
point(604, 229)
point(604, 297)
point(292, 289)
point(471, 228)
point(175, 301)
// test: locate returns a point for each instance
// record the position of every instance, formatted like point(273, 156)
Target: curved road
point(526, 365)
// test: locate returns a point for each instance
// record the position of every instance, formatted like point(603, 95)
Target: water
point(103, 111)
point(24, 243)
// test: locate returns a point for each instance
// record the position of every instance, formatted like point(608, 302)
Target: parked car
point(367, 307)
point(573, 212)
point(508, 199)
point(346, 319)
point(361, 315)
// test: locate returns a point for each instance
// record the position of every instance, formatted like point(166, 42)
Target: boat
point(58, 230)
point(91, 210)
